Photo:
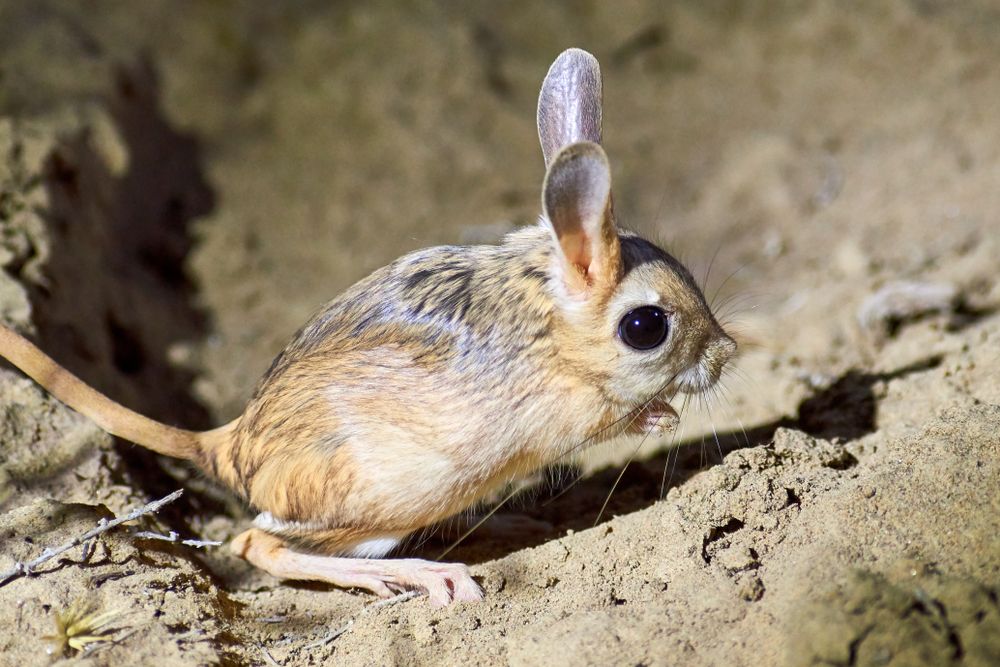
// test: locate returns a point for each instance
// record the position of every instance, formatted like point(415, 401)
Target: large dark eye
point(644, 328)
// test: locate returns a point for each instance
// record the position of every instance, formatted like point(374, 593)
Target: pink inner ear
point(577, 250)
point(576, 198)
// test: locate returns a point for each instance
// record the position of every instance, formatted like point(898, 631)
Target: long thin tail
point(114, 418)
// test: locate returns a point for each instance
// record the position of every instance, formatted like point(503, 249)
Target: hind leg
point(443, 582)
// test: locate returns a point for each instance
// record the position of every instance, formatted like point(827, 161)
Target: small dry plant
point(81, 626)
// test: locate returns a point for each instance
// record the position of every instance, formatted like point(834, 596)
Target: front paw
point(656, 419)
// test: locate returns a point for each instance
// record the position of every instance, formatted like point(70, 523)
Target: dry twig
point(174, 537)
point(268, 657)
point(21, 568)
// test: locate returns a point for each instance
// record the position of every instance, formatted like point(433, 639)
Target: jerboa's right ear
point(569, 104)
point(576, 198)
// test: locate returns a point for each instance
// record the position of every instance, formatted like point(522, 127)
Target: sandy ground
point(182, 184)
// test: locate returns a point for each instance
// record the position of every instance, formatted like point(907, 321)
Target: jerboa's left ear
point(576, 198)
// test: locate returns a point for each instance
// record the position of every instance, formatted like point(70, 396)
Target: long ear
point(569, 104)
point(576, 197)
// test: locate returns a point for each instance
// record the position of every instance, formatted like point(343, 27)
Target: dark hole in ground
point(717, 533)
point(126, 349)
point(117, 298)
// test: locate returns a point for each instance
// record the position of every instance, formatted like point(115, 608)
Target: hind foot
point(442, 582)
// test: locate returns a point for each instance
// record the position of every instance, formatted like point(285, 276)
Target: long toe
point(443, 582)
point(466, 589)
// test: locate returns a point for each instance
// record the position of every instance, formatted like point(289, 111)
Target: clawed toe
point(443, 582)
